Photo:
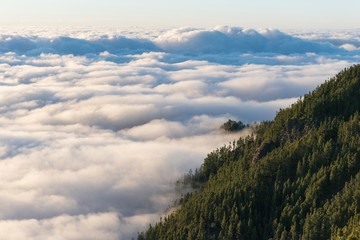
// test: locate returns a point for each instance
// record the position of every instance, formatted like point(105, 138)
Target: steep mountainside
point(297, 177)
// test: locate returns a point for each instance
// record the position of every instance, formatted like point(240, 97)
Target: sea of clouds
point(96, 126)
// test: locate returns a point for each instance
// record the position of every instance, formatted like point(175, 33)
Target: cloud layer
point(94, 131)
point(191, 41)
point(228, 40)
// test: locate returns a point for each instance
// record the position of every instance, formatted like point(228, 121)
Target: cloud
point(337, 38)
point(96, 226)
point(94, 131)
point(218, 40)
point(282, 81)
point(81, 171)
point(349, 47)
point(34, 45)
point(227, 40)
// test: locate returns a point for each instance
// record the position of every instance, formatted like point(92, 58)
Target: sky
point(105, 104)
point(160, 13)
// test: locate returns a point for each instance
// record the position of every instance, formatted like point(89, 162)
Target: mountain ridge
point(297, 177)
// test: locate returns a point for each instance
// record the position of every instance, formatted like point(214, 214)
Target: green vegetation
point(232, 126)
point(297, 177)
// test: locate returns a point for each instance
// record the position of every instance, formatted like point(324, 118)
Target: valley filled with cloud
point(96, 126)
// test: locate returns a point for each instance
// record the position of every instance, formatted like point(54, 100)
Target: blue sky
point(200, 13)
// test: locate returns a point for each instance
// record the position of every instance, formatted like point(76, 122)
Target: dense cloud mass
point(95, 130)
point(190, 41)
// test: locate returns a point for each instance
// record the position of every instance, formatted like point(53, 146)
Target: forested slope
point(297, 177)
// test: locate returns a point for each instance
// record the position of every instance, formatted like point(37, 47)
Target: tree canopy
point(232, 126)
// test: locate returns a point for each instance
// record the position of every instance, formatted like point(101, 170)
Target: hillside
point(297, 177)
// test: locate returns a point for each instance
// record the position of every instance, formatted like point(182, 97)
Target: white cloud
point(94, 227)
point(90, 145)
point(349, 47)
point(226, 39)
point(183, 40)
